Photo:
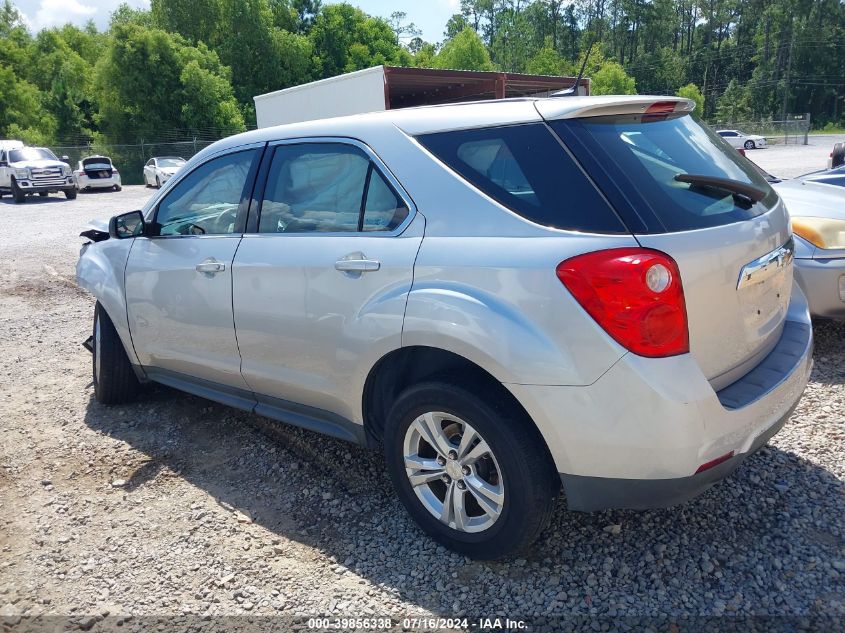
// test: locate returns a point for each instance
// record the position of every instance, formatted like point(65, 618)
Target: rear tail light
point(635, 295)
point(113, 171)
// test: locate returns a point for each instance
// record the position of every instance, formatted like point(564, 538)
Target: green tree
point(149, 80)
point(733, 105)
point(262, 57)
point(611, 79)
point(347, 39)
point(465, 51)
point(196, 20)
point(125, 15)
point(455, 25)
point(548, 61)
point(22, 115)
point(65, 77)
point(691, 91)
point(424, 57)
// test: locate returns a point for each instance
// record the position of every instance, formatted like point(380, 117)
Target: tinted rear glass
point(525, 168)
point(635, 159)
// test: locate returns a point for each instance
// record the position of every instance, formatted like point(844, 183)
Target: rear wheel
point(475, 475)
point(70, 194)
point(17, 192)
point(117, 187)
point(749, 145)
point(114, 379)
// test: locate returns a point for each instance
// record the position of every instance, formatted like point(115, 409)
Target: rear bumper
point(821, 280)
point(84, 182)
point(637, 436)
point(588, 494)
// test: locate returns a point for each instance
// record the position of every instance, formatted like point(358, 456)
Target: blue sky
point(429, 15)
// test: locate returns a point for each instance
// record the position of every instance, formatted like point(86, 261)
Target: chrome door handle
point(211, 267)
point(357, 265)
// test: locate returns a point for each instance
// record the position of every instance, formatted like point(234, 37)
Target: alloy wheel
point(453, 472)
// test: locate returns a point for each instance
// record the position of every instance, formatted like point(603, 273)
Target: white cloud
point(453, 5)
point(40, 14)
point(58, 12)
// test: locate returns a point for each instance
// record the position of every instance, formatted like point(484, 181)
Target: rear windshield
point(525, 168)
point(635, 159)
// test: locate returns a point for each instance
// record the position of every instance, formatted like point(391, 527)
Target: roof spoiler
point(612, 105)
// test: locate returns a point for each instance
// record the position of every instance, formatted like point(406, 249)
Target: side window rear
point(383, 209)
point(327, 188)
point(525, 168)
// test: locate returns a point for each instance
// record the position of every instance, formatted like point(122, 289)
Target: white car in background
point(96, 172)
point(746, 141)
point(160, 169)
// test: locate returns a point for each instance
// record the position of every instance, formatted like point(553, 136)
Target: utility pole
point(788, 71)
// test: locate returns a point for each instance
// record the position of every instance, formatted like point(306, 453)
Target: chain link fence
point(129, 159)
point(792, 131)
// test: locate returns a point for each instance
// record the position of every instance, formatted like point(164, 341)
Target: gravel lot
point(175, 505)
point(789, 161)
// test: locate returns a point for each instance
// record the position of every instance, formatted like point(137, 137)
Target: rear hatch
point(684, 191)
point(97, 167)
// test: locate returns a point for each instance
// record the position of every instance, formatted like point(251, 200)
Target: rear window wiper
point(744, 189)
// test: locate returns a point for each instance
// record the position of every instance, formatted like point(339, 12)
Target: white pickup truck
point(25, 171)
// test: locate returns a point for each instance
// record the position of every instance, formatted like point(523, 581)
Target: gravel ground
point(175, 505)
point(789, 161)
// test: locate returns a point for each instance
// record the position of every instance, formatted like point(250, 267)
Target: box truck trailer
point(389, 87)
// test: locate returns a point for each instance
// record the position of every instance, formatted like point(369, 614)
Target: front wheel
point(749, 144)
point(70, 194)
point(158, 183)
point(114, 379)
point(17, 192)
point(475, 475)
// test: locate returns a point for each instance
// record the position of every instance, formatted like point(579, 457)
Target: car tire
point(114, 379)
point(117, 187)
point(158, 183)
point(43, 194)
point(749, 145)
point(70, 194)
point(837, 156)
point(517, 470)
point(17, 192)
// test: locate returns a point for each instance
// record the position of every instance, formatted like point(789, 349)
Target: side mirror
point(127, 225)
point(65, 158)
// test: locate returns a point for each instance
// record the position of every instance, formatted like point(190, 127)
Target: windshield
point(639, 157)
point(171, 162)
point(31, 153)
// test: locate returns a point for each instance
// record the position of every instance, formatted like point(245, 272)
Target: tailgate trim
point(773, 370)
point(764, 267)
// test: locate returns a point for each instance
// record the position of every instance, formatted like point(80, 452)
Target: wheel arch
point(406, 366)
point(100, 271)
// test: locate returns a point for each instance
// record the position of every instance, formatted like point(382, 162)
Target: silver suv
point(507, 298)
